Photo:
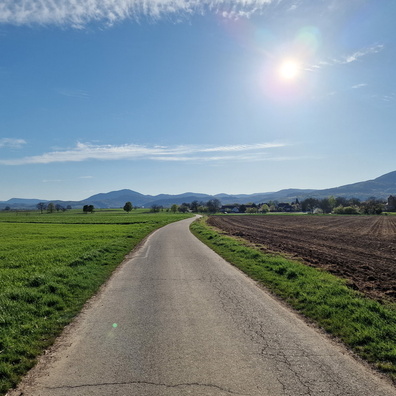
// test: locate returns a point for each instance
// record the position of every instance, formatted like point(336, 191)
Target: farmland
point(361, 249)
point(50, 264)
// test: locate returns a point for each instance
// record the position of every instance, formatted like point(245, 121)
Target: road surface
point(176, 319)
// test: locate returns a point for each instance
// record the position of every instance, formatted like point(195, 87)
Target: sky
point(212, 96)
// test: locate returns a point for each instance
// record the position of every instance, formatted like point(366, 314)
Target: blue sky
point(170, 96)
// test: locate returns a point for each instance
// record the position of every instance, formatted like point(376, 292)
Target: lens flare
point(308, 40)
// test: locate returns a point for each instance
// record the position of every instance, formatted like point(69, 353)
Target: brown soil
point(361, 249)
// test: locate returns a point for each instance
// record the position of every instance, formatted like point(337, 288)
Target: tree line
point(211, 206)
point(341, 205)
point(51, 207)
point(336, 205)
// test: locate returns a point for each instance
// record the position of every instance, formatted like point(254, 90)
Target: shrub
point(350, 210)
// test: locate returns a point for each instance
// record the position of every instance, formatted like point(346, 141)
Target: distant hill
point(381, 187)
point(24, 201)
point(116, 199)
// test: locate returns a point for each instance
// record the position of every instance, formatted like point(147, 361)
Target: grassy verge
point(50, 265)
point(365, 325)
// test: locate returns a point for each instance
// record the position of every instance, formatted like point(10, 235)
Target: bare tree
point(41, 206)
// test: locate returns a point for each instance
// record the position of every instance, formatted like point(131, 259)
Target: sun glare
point(289, 70)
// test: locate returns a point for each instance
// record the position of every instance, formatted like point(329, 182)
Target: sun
point(289, 69)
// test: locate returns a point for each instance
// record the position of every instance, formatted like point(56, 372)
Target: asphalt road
point(176, 319)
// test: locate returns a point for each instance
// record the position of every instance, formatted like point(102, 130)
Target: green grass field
point(366, 326)
point(50, 264)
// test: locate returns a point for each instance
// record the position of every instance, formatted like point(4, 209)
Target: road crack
point(197, 384)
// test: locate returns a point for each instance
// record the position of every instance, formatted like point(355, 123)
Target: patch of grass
point(365, 325)
point(50, 265)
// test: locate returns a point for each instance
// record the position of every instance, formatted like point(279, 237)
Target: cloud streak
point(79, 93)
point(347, 59)
point(12, 143)
point(183, 153)
point(80, 12)
point(359, 54)
point(357, 86)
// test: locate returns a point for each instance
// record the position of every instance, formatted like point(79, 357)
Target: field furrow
point(361, 249)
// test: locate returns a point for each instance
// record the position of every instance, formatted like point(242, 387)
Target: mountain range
point(381, 187)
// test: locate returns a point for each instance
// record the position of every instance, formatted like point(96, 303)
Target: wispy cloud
point(77, 93)
point(389, 97)
point(357, 86)
point(87, 151)
point(79, 12)
point(245, 147)
point(359, 54)
point(12, 143)
point(353, 57)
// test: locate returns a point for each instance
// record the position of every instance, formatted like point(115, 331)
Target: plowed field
point(361, 249)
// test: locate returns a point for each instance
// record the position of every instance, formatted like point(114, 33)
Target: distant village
point(336, 205)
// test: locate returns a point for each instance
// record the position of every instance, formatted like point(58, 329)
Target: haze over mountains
point(381, 187)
